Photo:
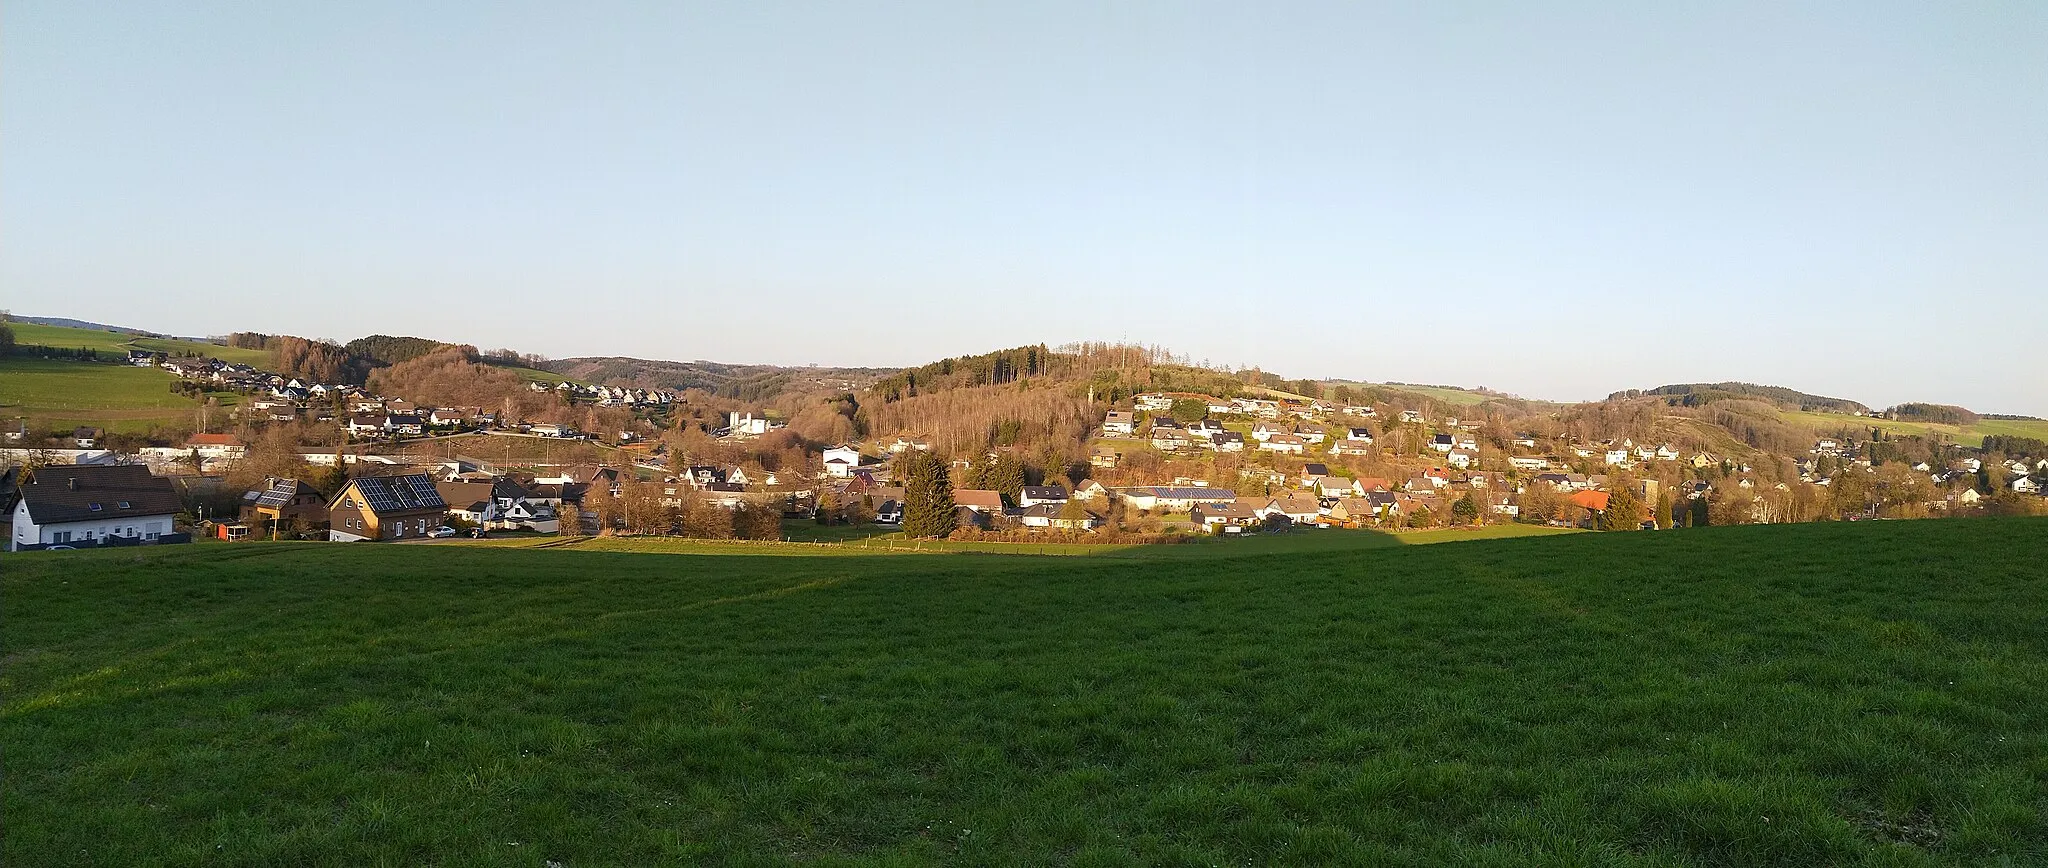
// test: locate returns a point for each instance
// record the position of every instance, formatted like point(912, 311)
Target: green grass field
point(1966, 435)
point(1798, 695)
point(116, 342)
point(1452, 397)
point(59, 395)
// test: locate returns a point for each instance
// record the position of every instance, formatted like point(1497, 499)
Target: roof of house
point(214, 440)
point(1315, 468)
point(1593, 500)
point(65, 492)
point(474, 496)
point(1297, 503)
point(389, 494)
point(1045, 492)
point(280, 492)
point(1229, 509)
point(977, 497)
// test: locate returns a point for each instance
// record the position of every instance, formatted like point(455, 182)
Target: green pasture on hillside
point(1966, 435)
point(59, 395)
point(1795, 695)
point(1452, 397)
point(118, 342)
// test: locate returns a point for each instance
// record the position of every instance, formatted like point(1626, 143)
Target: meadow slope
point(1791, 695)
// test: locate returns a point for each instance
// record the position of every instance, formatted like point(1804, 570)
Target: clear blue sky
point(1558, 200)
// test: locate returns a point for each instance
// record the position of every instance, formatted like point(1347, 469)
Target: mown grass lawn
point(1794, 695)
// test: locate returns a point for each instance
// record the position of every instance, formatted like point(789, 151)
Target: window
point(62, 536)
point(93, 506)
point(124, 505)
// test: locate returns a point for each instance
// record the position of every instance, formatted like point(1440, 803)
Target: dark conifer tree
point(927, 496)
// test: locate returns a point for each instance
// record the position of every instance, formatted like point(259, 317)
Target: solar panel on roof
point(377, 492)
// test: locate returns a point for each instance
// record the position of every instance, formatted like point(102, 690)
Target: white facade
point(848, 460)
point(84, 533)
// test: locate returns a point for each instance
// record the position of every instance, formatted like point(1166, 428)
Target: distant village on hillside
point(291, 458)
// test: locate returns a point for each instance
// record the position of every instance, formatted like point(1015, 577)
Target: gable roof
point(1045, 492)
point(389, 494)
point(1229, 509)
point(280, 492)
point(977, 497)
point(1297, 503)
point(1593, 500)
point(68, 492)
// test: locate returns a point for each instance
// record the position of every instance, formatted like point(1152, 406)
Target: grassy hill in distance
point(65, 337)
point(1971, 434)
point(59, 395)
point(1841, 693)
point(67, 322)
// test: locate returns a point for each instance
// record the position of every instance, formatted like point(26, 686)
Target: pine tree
point(1624, 509)
point(1699, 512)
point(1465, 510)
point(1664, 511)
point(1006, 477)
point(927, 496)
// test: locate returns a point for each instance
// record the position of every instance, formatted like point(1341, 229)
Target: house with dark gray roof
point(94, 505)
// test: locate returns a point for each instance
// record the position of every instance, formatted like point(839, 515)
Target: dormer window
point(93, 506)
point(126, 505)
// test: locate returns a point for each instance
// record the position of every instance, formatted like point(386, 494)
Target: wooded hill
point(1700, 394)
point(751, 383)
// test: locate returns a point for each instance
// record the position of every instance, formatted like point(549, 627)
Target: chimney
point(71, 482)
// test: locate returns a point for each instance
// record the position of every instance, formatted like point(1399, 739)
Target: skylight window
point(124, 505)
point(93, 506)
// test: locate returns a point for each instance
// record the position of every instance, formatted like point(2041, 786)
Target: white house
point(1462, 458)
point(1524, 462)
point(1262, 431)
point(1173, 498)
point(1119, 422)
point(1283, 443)
point(89, 505)
point(214, 447)
point(841, 461)
point(748, 424)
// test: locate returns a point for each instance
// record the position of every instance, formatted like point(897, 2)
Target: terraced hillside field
point(1823, 694)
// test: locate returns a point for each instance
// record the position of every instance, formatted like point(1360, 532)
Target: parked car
point(442, 532)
